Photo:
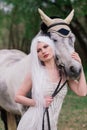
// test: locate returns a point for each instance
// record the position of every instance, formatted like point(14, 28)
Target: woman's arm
point(79, 87)
point(25, 87)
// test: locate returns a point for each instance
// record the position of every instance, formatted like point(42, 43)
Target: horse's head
point(59, 31)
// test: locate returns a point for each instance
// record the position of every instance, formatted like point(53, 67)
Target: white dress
point(30, 120)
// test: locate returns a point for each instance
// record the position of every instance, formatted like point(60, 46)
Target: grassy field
point(74, 113)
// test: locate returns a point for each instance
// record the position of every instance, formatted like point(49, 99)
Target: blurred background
point(20, 22)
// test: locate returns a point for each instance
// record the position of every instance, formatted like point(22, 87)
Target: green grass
point(74, 113)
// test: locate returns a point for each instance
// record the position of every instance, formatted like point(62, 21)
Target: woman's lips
point(45, 56)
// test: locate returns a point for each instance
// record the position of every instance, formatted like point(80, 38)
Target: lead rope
point(57, 90)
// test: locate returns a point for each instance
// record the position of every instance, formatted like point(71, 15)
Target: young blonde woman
point(45, 107)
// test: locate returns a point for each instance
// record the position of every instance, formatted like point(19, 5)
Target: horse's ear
point(69, 17)
point(44, 27)
point(47, 20)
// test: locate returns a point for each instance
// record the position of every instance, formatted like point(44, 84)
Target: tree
point(25, 21)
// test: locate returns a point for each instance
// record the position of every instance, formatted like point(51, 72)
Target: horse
point(15, 64)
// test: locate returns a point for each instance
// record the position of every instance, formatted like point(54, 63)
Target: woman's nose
point(43, 51)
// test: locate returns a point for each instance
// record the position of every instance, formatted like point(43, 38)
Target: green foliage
point(73, 114)
point(25, 12)
point(80, 7)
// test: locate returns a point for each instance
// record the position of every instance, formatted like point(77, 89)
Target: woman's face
point(44, 51)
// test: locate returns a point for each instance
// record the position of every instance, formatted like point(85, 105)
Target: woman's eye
point(45, 46)
point(38, 50)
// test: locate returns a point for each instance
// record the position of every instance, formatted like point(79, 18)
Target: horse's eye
point(54, 40)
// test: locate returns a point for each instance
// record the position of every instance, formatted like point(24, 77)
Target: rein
point(57, 90)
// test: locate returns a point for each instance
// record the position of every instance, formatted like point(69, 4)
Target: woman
point(43, 80)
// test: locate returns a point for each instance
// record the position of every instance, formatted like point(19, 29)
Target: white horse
point(14, 64)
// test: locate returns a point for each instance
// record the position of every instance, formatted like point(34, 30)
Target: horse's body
point(14, 66)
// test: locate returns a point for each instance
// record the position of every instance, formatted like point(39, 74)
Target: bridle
point(64, 32)
point(56, 91)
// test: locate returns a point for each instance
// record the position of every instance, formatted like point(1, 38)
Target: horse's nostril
point(80, 71)
point(72, 69)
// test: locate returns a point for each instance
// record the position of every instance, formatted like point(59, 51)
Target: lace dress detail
point(54, 109)
point(30, 120)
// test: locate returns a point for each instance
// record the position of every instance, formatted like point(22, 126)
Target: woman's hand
point(75, 55)
point(78, 86)
point(48, 101)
